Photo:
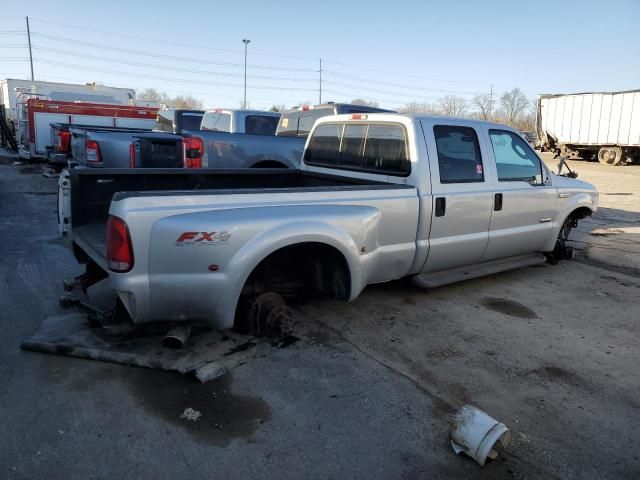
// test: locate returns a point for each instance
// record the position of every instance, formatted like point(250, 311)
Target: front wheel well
point(580, 213)
point(301, 271)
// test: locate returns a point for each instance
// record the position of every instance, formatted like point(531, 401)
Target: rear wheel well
point(269, 164)
point(301, 271)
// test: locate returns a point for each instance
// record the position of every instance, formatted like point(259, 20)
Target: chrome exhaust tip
point(177, 336)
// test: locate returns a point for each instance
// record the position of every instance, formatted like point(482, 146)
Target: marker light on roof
point(358, 116)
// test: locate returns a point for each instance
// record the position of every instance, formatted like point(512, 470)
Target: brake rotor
point(270, 316)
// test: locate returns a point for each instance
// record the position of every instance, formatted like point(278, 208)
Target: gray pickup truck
point(299, 121)
point(240, 139)
point(105, 147)
point(377, 197)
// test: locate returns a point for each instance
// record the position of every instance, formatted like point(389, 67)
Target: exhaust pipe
point(177, 336)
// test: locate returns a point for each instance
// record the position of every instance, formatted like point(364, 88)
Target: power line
point(402, 74)
point(155, 40)
point(401, 85)
point(165, 67)
point(388, 92)
point(170, 79)
point(167, 57)
point(346, 97)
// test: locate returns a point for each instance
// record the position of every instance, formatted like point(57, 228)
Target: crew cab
point(377, 197)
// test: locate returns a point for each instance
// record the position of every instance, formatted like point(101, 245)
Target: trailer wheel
point(610, 155)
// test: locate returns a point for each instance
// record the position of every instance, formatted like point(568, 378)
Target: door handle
point(441, 206)
point(497, 202)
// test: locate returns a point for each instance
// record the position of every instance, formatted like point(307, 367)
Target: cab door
point(524, 199)
point(462, 195)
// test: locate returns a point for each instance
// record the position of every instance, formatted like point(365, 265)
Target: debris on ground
point(208, 355)
point(475, 433)
point(191, 415)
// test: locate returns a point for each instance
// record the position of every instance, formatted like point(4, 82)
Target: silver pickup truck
point(378, 197)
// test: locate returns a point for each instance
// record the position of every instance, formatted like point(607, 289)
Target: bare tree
point(185, 101)
point(278, 108)
point(453, 105)
point(181, 101)
point(418, 107)
point(151, 95)
point(484, 105)
point(513, 105)
point(362, 101)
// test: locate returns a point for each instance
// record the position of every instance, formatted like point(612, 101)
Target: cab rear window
point(261, 124)
point(375, 148)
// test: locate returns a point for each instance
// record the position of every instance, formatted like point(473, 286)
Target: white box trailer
point(606, 124)
point(16, 91)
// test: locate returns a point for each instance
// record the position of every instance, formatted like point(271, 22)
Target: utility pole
point(246, 42)
point(30, 54)
point(320, 89)
point(490, 103)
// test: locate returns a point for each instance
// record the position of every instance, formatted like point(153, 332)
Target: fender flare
point(254, 252)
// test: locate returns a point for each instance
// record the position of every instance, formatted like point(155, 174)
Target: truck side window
point(308, 119)
point(289, 125)
point(459, 158)
point(385, 150)
point(216, 122)
point(514, 158)
point(261, 124)
point(324, 146)
point(191, 121)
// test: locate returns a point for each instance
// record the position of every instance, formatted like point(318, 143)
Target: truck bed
point(92, 191)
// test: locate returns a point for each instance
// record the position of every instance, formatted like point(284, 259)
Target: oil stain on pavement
point(508, 307)
point(224, 416)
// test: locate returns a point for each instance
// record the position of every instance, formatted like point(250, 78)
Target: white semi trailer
point(584, 125)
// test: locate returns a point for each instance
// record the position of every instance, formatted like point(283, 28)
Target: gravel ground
point(368, 391)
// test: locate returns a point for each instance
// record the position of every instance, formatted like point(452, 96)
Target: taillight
point(119, 250)
point(93, 152)
point(132, 155)
point(65, 141)
point(193, 150)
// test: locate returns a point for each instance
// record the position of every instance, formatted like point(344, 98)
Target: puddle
point(508, 307)
point(558, 374)
point(31, 169)
point(224, 416)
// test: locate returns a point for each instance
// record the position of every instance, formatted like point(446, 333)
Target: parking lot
point(368, 391)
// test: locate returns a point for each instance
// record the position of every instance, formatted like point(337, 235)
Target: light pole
point(246, 42)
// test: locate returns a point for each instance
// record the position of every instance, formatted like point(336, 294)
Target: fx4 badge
point(203, 238)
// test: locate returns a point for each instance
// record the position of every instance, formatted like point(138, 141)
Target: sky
point(388, 52)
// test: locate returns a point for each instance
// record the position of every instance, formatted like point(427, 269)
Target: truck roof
point(364, 108)
point(241, 110)
point(404, 118)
